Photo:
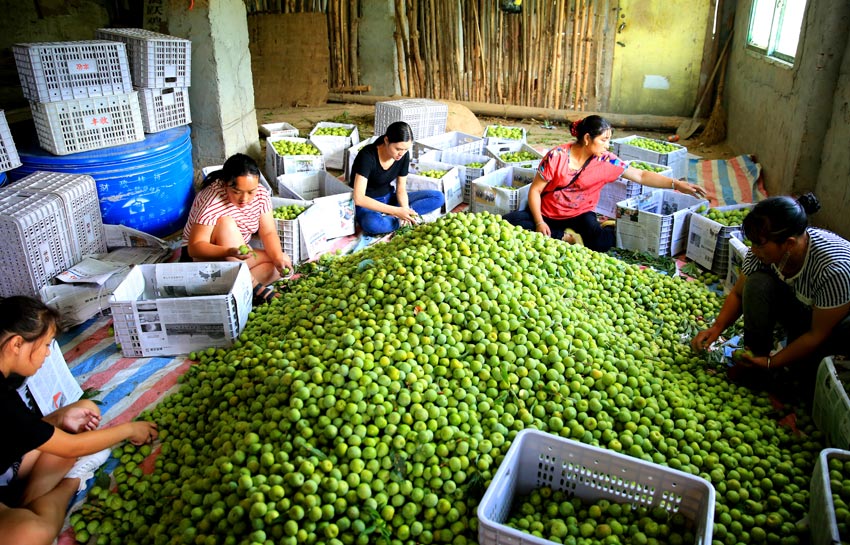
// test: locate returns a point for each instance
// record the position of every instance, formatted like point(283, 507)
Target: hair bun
point(809, 203)
point(574, 127)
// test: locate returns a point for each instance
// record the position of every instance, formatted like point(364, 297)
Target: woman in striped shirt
point(795, 276)
point(230, 207)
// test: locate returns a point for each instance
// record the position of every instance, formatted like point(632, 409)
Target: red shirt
point(583, 195)
point(212, 203)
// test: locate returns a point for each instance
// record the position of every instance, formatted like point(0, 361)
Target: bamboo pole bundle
point(401, 46)
point(353, 41)
point(559, 41)
point(585, 73)
point(581, 49)
point(414, 44)
point(477, 55)
point(544, 60)
point(574, 52)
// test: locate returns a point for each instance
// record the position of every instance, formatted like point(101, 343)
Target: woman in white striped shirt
point(230, 207)
point(795, 276)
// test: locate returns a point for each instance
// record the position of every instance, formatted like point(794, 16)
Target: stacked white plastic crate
point(9, 158)
point(80, 93)
point(160, 66)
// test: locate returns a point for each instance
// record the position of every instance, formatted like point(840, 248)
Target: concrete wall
point(790, 117)
point(378, 61)
point(657, 56)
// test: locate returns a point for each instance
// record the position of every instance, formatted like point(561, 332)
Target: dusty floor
point(305, 118)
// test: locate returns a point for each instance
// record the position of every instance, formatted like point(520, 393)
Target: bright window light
point(775, 27)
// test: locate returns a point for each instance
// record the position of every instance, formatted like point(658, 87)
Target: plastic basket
point(497, 150)
point(656, 222)
point(537, 459)
point(461, 159)
point(333, 147)
point(831, 405)
point(278, 129)
point(35, 244)
point(502, 191)
point(289, 231)
point(677, 160)
point(822, 521)
point(156, 60)
point(491, 140)
point(449, 185)
point(618, 190)
point(9, 158)
point(351, 154)
point(164, 108)
point(82, 208)
point(72, 126)
point(277, 164)
point(457, 141)
point(708, 241)
point(54, 71)
point(425, 117)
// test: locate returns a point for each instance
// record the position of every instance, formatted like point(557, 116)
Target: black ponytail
point(236, 165)
point(776, 219)
point(398, 132)
point(27, 317)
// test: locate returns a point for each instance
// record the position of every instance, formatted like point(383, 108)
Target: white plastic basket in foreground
point(538, 459)
point(164, 108)
point(822, 520)
point(9, 158)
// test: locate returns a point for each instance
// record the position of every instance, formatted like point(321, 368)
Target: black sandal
point(263, 294)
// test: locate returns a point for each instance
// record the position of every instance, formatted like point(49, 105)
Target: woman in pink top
point(230, 207)
point(566, 189)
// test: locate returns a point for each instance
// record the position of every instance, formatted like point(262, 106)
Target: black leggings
point(594, 236)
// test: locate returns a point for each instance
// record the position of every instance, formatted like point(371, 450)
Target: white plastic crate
point(656, 222)
point(351, 153)
point(278, 129)
point(708, 241)
point(677, 160)
point(500, 148)
point(289, 231)
point(449, 185)
point(502, 191)
point(156, 60)
point(9, 158)
point(333, 147)
point(822, 520)
point(72, 126)
point(457, 141)
point(425, 117)
point(82, 208)
point(277, 164)
point(167, 309)
point(35, 244)
point(737, 253)
point(536, 459)
point(332, 200)
point(54, 71)
point(164, 108)
point(491, 140)
point(831, 405)
point(462, 160)
point(618, 190)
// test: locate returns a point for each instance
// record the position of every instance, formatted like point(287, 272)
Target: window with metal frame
point(775, 27)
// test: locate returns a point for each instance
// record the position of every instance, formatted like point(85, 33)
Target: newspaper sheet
point(53, 386)
point(119, 236)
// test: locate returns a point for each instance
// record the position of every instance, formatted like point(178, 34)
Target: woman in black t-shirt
point(39, 466)
point(377, 208)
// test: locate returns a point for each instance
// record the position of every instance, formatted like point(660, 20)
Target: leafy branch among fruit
point(287, 147)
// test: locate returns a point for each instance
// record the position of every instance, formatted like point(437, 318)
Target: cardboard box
point(708, 241)
point(656, 222)
point(618, 190)
point(737, 253)
point(502, 191)
point(449, 185)
point(333, 203)
point(333, 147)
point(168, 309)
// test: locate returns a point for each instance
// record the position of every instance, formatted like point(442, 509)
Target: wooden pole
point(400, 46)
point(353, 44)
point(629, 121)
point(559, 41)
point(574, 52)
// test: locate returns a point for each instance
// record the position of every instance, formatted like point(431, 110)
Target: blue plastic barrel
point(3, 179)
point(145, 185)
